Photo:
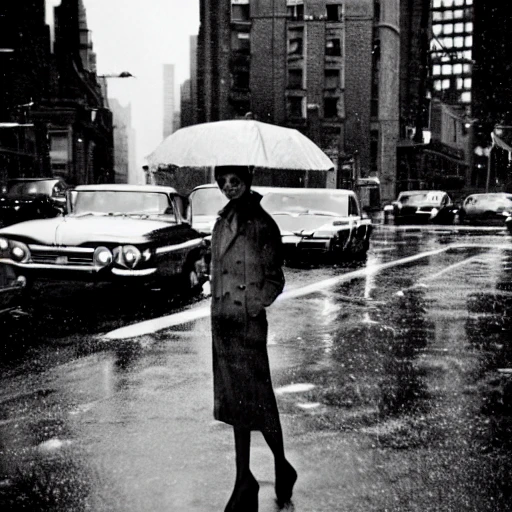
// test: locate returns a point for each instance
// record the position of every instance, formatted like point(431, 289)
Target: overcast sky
point(139, 37)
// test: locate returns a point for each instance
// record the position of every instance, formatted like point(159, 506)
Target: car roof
point(491, 194)
point(411, 192)
point(295, 190)
point(123, 187)
point(21, 180)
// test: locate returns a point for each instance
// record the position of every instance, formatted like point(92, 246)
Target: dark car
point(492, 208)
point(32, 198)
point(422, 206)
point(120, 233)
point(11, 289)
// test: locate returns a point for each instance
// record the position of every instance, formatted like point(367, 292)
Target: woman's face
point(231, 186)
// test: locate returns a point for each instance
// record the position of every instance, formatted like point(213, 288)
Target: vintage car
point(493, 208)
point(206, 201)
point(319, 222)
point(122, 233)
point(422, 206)
point(313, 221)
point(32, 198)
point(11, 289)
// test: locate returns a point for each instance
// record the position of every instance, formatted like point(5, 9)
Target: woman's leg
point(245, 494)
point(286, 475)
point(243, 452)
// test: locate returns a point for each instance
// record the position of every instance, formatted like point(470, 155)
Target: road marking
point(191, 315)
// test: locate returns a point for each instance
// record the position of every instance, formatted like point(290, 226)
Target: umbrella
point(240, 142)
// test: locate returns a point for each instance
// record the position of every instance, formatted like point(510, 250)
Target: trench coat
point(246, 277)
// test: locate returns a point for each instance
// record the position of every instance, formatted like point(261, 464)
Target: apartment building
point(328, 68)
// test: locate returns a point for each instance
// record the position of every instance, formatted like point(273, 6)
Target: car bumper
point(296, 245)
point(80, 272)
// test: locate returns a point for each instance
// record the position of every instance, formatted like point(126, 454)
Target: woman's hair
point(242, 171)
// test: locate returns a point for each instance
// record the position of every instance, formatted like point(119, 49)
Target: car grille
point(61, 255)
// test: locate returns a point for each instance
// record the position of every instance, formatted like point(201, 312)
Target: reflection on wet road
point(394, 379)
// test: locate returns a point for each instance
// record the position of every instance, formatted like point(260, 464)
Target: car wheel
point(359, 247)
point(190, 280)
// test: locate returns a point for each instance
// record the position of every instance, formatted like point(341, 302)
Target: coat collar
point(233, 215)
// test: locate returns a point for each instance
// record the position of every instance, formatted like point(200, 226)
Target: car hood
point(204, 223)
point(75, 231)
point(307, 223)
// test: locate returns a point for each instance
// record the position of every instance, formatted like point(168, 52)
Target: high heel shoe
point(286, 476)
point(245, 496)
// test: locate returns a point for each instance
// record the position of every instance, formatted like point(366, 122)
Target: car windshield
point(121, 202)
point(27, 188)
point(207, 201)
point(330, 204)
point(421, 198)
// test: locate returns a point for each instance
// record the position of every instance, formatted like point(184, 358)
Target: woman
point(246, 278)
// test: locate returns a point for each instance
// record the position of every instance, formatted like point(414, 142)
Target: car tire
point(359, 247)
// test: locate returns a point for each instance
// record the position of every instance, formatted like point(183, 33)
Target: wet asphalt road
point(393, 378)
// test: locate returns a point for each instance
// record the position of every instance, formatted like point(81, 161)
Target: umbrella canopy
point(240, 142)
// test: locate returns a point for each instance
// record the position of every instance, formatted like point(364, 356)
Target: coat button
point(241, 286)
point(239, 262)
point(224, 271)
point(238, 303)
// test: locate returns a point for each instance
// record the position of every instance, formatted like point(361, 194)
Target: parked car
point(206, 201)
point(11, 289)
point(313, 221)
point(492, 208)
point(508, 222)
point(32, 198)
point(422, 206)
point(319, 222)
point(120, 233)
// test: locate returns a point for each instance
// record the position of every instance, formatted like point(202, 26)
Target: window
point(447, 69)
point(469, 27)
point(352, 207)
point(436, 69)
point(330, 107)
point(294, 107)
point(459, 27)
point(457, 69)
point(241, 80)
point(295, 42)
point(240, 11)
point(295, 10)
point(295, 79)
point(467, 83)
point(334, 12)
point(448, 15)
point(240, 41)
point(459, 42)
point(466, 97)
point(437, 29)
point(332, 79)
point(333, 47)
point(448, 29)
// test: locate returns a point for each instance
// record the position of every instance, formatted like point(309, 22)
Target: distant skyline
point(128, 35)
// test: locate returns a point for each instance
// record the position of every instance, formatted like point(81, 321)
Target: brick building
point(49, 84)
point(325, 67)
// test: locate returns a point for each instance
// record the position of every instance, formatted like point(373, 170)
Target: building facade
point(49, 88)
point(169, 99)
point(325, 67)
point(124, 142)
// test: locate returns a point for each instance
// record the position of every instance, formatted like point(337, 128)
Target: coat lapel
point(228, 235)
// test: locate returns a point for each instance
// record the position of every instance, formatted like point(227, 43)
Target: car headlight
point(102, 257)
point(434, 212)
point(4, 244)
point(19, 252)
point(129, 256)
